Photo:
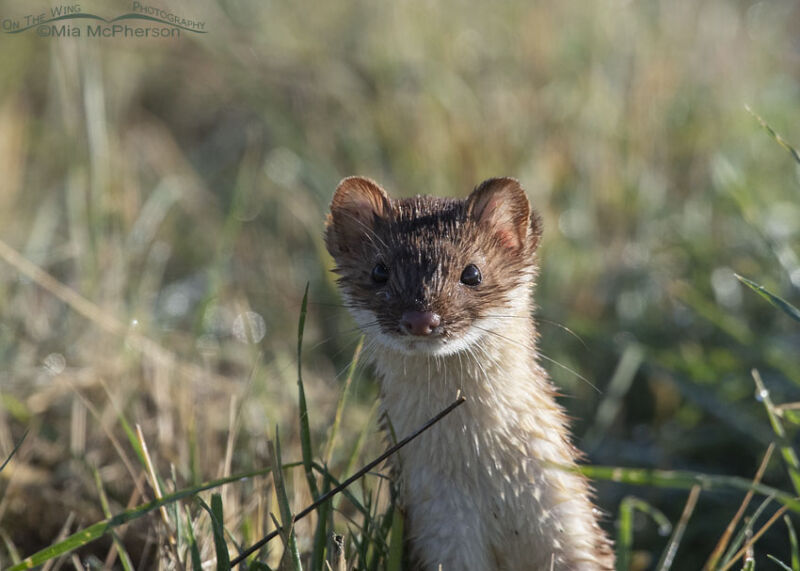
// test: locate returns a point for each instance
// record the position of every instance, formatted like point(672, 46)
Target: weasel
point(442, 290)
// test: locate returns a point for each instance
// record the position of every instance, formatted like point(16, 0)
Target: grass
point(391, 553)
point(161, 206)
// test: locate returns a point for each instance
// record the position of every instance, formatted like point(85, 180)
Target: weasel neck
point(498, 374)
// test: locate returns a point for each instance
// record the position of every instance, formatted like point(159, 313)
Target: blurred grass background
point(181, 186)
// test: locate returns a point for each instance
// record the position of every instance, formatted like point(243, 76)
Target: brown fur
point(509, 437)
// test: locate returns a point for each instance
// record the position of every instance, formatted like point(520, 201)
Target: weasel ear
point(356, 204)
point(501, 206)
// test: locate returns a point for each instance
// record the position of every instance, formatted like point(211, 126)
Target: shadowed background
point(180, 186)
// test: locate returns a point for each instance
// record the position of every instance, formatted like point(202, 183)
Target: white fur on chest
point(485, 488)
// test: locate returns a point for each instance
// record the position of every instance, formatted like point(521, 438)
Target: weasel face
point(432, 275)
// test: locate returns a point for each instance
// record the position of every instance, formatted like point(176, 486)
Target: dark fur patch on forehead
point(422, 209)
point(426, 243)
point(421, 221)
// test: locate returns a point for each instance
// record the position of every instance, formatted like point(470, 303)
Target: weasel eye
point(471, 275)
point(380, 273)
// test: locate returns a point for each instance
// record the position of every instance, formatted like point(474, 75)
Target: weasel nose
point(420, 322)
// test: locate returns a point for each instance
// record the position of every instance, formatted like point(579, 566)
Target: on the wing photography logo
point(69, 21)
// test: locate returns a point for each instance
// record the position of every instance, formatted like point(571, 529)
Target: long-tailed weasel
point(442, 287)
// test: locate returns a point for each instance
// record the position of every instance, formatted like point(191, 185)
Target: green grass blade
point(358, 542)
point(685, 479)
point(132, 438)
point(218, 523)
point(743, 533)
point(345, 492)
point(394, 561)
point(787, 451)
point(194, 550)
point(368, 532)
point(773, 299)
point(624, 545)
point(291, 552)
point(14, 451)
point(774, 134)
point(321, 533)
point(793, 543)
point(778, 562)
point(218, 531)
point(96, 530)
point(194, 456)
point(337, 419)
point(358, 447)
point(127, 565)
point(382, 527)
point(174, 510)
point(627, 506)
point(305, 430)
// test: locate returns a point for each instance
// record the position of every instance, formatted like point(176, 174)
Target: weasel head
point(429, 275)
